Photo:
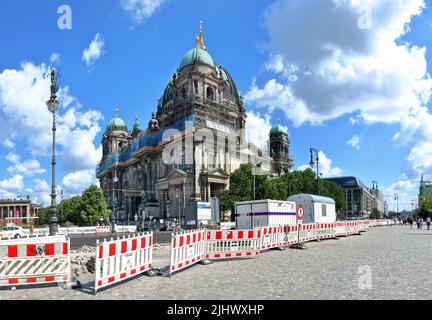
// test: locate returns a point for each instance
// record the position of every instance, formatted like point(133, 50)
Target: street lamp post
point(396, 197)
point(52, 105)
point(113, 212)
point(312, 163)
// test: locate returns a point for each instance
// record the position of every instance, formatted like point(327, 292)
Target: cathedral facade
point(194, 141)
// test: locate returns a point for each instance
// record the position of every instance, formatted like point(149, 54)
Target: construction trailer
point(250, 214)
point(317, 209)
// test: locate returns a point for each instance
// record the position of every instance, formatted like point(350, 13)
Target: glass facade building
point(359, 199)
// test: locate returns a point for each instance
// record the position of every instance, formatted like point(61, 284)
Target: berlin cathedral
point(192, 144)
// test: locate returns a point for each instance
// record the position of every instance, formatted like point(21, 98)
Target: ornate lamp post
point(396, 197)
point(114, 200)
point(312, 163)
point(52, 104)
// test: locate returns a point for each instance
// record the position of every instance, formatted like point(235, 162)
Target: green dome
point(117, 124)
point(277, 129)
point(197, 55)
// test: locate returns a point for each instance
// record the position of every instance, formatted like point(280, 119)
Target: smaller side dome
point(116, 124)
point(277, 130)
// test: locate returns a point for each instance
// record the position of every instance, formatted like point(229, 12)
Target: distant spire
point(116, 110)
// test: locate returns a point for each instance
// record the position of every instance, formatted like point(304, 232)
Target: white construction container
point(250, 214)
point(318, 209)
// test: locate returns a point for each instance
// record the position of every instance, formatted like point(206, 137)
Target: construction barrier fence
point(34, 261)
point(123, 258)
point(227, 244)
point(187, 248)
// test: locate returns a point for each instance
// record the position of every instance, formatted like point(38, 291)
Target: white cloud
point(141, 9)
point(323, 73)
point(25, 168)
point(15, 183)
point(43, 192)
point(76, 182)
point(25, 118)
point(403, 188)
point(24, 114)
point(94, 51)
point(55, 58)
point(325, 166)
point(258, 129)
point(354, 142)
point(8, 143)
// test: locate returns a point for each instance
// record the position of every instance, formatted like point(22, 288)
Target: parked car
point(11, 232)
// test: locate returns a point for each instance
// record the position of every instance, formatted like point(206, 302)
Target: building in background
point(193, 142)
point(18, 210)
point(359, 199)
point(425, 190)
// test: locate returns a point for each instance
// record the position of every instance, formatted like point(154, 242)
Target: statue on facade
point(143, 198)
point(154, 124)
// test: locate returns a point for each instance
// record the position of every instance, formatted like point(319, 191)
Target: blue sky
point(309, 64)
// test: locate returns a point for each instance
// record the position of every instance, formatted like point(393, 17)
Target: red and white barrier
point(308, 232)
point(120, 259)
point(103, 229)
point(327, 230)
point(187, 248)
point(290, 235)
point(341, 229)
point(34, 261)
point(226, 244)
point(271, 237)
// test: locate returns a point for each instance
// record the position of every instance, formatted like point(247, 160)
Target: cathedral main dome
point(197, 55)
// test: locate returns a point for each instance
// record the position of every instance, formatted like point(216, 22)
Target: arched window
point(196, 87)
point(210, 93)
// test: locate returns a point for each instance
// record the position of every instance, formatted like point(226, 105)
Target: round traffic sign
point(300, 212)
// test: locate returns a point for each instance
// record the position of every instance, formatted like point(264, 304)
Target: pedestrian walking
point(418, 223)
point(428, 222)
point(411, 221)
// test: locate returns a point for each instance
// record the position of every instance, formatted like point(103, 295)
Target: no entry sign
point(300, 212)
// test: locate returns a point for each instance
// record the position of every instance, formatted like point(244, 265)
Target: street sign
point(300, 212)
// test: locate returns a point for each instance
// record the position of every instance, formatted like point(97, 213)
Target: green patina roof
point(277, 129)
point(117, 124)
point(197, 55)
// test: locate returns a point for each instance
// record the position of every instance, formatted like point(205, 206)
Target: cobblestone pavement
point(399, 260)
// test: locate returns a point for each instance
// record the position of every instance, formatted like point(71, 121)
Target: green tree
point(69, 210)
point(43, 217)
point(277, 188)
point(425, 209)
point(92, 206)
point(375, 214)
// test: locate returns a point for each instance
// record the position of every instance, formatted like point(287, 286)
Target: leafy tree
point(375, 214)
point(425, 209)
point(43, 217)
point(277, 188)
point(92, 206)
point(69, 210)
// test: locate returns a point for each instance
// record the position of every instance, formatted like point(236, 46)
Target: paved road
point(78, 241)
point(399, 260)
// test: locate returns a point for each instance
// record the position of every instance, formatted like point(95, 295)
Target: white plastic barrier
point(327, 230)
point(308, 232)
point(120, 259)
point(271, 237)
point(125, 229)
point(103, 229)
point(187, 248)
point(290, 235)
point(226, 244)
point(34, 261)
point(341, 229)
